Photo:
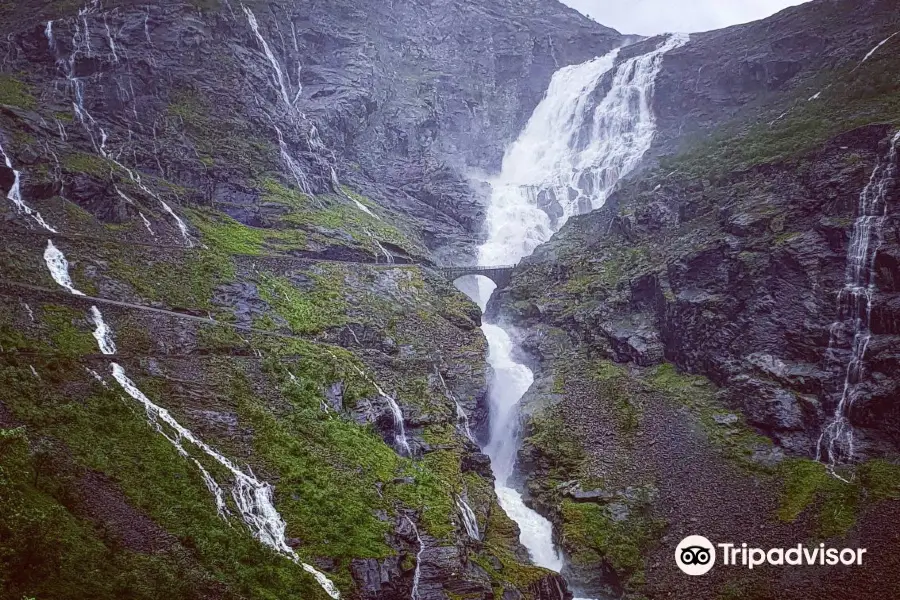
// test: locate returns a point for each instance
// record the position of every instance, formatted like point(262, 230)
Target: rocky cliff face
point(405, 100)
point(691, 339)
point(250, 196)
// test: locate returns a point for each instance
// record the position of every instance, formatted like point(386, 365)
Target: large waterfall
point(567, 161)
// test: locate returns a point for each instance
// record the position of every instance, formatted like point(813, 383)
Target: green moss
point(853, 98)
point(309, 311)
point(592, 534)
point(89, 164)
point(14, 92)
point(437, 479)
point(102, 433)
point(328, 470)
point(698, 394)
point(552, 439)
point(881, 479)
point(66, 335)
point(231, 237)
point(334, 213)
point(616, 388)
point(188, 282)
point(48, 552)
point(501, 536)
point(228, 236)
point(188, 105)
point(281, 194)
point(808, 483)
point(220, 339)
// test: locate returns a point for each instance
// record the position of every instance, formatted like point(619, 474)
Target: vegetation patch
point(615, 386)
point(618, 534)
point(89, 164)
point(501, 535)
point(556, 447)
point(14, 92)
point(66, 335)
point(808, 483)
point(307, 311)
point(868, 93)
point(698, 394)
point(188, 282)
point(231, 237)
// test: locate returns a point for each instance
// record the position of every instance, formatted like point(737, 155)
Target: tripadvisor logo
point(696, 555)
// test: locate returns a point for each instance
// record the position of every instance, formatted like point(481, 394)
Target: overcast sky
point(648, 17)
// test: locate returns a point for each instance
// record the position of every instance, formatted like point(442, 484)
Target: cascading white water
point(470, 522)
point(15, 195)
point(418, 573)
point(567, 161)
point(400, 439)
point(102, 333)
point(253, 498)
point(461, 416)
point(399, 426)
point(875, 49)
point(572, 153)
point(292, 165)
point(836, 444)
point(81, 45)
point(59, 268)
point(511, 381)
point(278, 75)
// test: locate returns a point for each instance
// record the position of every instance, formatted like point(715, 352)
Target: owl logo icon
point(695, 555)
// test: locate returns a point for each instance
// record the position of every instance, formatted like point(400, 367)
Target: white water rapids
point(568, 159)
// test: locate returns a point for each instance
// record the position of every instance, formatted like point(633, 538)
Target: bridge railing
point(477, 269)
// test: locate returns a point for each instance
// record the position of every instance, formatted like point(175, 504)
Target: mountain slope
point(251, 197)
point(691, 339)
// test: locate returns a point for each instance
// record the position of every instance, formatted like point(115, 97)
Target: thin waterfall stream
point(552, 172)
point(253, 498)
point(836, 445)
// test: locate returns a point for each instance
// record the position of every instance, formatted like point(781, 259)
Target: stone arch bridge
point(499, 275)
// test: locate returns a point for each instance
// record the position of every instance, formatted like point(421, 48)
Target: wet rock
point(477, 462)
point(334, 395)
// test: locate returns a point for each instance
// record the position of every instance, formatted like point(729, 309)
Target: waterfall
point(875, 49)
point(511, 381)
point(82, 45)
point(567, 160)
point(388, 257)
point(461, 417)
point(400, 439)
point(573, 151)
point(102, 333)
point(59, 268)
point(468, 518)
point(399, 426)
point(252, 497)
point(15, 195)
point(273, 62)
point(836, 443)
point(292, 165)
point(418, 573)
point(147, 224)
